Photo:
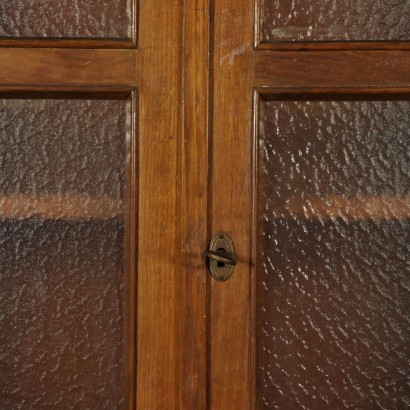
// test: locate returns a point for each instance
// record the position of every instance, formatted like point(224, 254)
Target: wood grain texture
point(159, 267)
point(66, 43)
point(341, 69)
point(334, 46)
point(229, 321)
point(64, 67)
point(194, 167)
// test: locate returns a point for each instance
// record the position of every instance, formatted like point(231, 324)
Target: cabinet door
point(310, 178)
point(86, 304)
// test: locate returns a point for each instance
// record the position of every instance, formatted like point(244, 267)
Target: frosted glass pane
point(335, 20)
point(62, 184)
point(333, 254)
point(65, 18)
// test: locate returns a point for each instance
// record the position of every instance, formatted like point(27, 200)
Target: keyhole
point(220, 264)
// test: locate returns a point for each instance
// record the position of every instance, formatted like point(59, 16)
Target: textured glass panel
point(62, 179)
point(333, 255)
point(335, 20)
point(65, 18)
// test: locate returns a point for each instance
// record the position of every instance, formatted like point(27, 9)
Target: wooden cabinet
point(130, 132)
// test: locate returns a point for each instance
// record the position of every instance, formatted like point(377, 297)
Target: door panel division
point(310, 142)
point(90, 149)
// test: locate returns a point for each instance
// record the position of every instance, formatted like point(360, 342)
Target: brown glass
point(333, 254)
point(335, 20)
point(109, 19)
point(62, 184)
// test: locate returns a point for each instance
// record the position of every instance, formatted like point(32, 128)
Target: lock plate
point(221, 257)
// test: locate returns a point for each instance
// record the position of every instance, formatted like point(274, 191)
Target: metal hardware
point(221, 256)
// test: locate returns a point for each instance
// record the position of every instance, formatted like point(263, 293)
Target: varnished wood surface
point(160, 315)
point(64, 67)
point(229, 320)
point(194, 199)
point(333, 46)
point(337, 69)
point(382, 93)
point(66, 43)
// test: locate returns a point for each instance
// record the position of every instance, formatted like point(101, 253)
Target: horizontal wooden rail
point(46, 67)
point(342, 69)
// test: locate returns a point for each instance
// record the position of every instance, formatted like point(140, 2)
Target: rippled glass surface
point(62, 182)
point(333, 254)
point(65, 18)
point(335, 20)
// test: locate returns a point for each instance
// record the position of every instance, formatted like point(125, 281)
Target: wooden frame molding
point(63, 68)
point(343, 69)
point(158, 62)
point(195, 140)
point(230, 382)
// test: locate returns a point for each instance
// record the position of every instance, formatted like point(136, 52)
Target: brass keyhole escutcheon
point(221, 257)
